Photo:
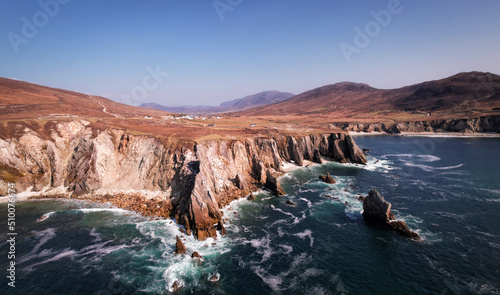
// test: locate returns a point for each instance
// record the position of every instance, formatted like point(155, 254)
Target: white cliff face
point(196, 179)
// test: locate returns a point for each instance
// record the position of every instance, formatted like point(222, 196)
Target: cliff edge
point(182, 179)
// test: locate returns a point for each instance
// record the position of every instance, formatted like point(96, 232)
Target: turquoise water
point(447, 190)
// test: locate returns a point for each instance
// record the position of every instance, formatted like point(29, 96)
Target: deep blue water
point(446, 189)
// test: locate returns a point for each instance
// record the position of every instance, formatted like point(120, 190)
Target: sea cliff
point(183, 179)
point(466, 125)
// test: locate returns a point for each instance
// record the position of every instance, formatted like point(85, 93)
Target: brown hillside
point(460, 96)
point(38, 107)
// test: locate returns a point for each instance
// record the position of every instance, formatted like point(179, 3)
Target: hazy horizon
point(205, 53)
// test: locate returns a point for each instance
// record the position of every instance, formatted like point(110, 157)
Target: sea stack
point(179, 246)
point(378, 211)
point(273, 184)
point(327, 178)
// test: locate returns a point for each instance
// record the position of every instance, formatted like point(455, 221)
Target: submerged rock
point(214, 278)
point(179, 246)
point(288, 202)
point(273, 184)
point(196, 255)
point(251, 197)
point(327, 178)
point(177, 286)
point(378, 211)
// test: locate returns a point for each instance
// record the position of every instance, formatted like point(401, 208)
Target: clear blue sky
point(105, 47)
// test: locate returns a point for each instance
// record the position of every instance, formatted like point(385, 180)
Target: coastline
point(59, 193)
point(429, 134)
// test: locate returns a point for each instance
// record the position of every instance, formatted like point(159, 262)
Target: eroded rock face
point(196, 255)
point(191, 180)
point(327, 178)
point(179, 246)
point(273, 185)
point(376, 208)
point(471, 125)
point(378, 211)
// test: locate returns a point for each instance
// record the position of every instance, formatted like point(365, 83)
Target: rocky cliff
point(377, 210)
point(471, 125)
point(189, 180)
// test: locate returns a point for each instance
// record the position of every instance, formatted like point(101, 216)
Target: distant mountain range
point(462, 95)
point(239, 104)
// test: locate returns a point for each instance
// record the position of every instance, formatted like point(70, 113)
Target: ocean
point(446, 189)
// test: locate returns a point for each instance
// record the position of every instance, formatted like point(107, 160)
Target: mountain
point(462, 95)
point(61, 144)
point(239, 104)
point(23, 100)
point(259, 99)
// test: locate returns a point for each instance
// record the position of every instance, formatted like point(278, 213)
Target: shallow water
point(445, 189)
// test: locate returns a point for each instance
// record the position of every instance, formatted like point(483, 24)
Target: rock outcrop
point(378, 211)
point(273, 185)
point(327, 178)
point(179, 246)
point(196, 255)
point(471, 125)
point(186, 180)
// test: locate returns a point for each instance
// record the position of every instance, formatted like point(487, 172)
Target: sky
point(204, 52)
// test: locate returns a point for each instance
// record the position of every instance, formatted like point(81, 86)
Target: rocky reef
point(377, 210)
point(470, 125)
point(186, 180)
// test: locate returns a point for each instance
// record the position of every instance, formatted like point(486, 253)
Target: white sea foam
point(310, 190)
point(422, 158)
point(263, 246)
point(296, 219)
point(311, 272)
point(306, 234)
point(45, 216)
point(286, 249)
point(381, 165)
point(44, 235)
point(309, 204)
point(65, 253)
point(274, 282)
point(180, 268)
point(492, 191)
point(428, 168)
point(112, 210)
point(95, 234)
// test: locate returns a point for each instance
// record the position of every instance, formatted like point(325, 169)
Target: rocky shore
point(471, 125)
point(186, 180)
